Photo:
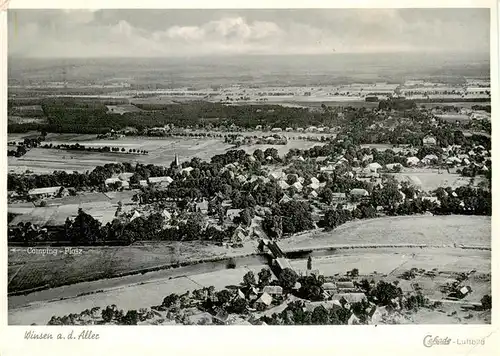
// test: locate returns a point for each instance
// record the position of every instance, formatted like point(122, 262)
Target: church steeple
point(176, 162)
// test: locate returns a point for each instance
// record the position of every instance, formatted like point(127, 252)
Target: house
point(429, 140)
point(314, 185)
point(357, 192)
point(392, 166)
point(265, 299)
point(349, 298)
point(187, 170)
point(273, 290)
point(163, 181)
point(44, 192)
point(143, 183)
point(238, 235)
point(285, 199)
point(432, 200)
point(465, 290)
point(125, 176)
point(283, 185)
point(345, 285)
point(278, 175)
point(429, 159)
point(353, 320)
point(297, 186)
point(321, 159)
point(453, 161)
point(339, 197)
point(313, 194)
point(135, 215)
point(374, 167)
point(412, 161)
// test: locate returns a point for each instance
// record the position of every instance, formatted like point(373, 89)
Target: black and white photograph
point(259, 167)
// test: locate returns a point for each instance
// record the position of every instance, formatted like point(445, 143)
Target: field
point(99, 205)
point(122, 109)
point(431, 179)
point(161, 152)
point(430, 230)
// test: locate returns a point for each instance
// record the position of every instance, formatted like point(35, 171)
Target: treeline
point(75, 116)
point(78, 147)
point(85, 230)
point(462, 201)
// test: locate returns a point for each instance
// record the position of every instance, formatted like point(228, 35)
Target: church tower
point(176, 162)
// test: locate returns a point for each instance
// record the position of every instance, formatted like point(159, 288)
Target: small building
point(412, 161)
point(430, 159)
point(374, 167)
point(273, 290)
point(265, 299)
point(45, 192)
point(345, 285)
point(357, 192)
point(297, 186)
point(164, 181)
point(285, 199)
point(283, 185)
point(392, 166)
point(339, 197)
point(429, 140)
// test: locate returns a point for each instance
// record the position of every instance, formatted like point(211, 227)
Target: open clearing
point(162, 151)
point(431, 179)
point(153, 288)
point(431, 230)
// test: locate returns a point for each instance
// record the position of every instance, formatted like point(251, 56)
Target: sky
point(174, 33)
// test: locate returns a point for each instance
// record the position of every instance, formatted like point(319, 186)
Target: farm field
point(44, 160)
point(431, 179)
point(123, 291)
point(431, 230)
point(161, 152)
point(122, 109)
point(101, 206)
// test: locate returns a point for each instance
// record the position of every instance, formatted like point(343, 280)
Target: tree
point(296, 216)
point(326, 196)
point(130, 318)
point(354, 273)
point(107, 314)
point(84, 229)
point(486, 302)
point(273, 226)
point(264, 277)
point(320, 316)
point(384, 293)
point(287, 279)
point(224, 296)
point(238, 306)
point(259, 155)
point(249, 279)
point(309, 263)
